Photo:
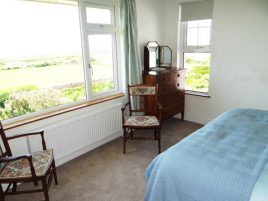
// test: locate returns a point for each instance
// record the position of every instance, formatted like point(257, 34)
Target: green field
point(35, 85)
point(50, 76)
point(197, 74)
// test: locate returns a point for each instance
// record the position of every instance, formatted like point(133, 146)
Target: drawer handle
point(178, 84)
point(178, 75)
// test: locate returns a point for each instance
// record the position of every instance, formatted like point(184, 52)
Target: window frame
point(85, 30)
point(193, 49)
point(88, 29)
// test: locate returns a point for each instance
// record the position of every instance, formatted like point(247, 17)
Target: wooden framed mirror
point(151, 55)
point(165, 56)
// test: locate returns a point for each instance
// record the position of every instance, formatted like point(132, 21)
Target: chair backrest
point(143, 99)
point(7, 151)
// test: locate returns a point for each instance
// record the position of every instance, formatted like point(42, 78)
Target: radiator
point(76, 136)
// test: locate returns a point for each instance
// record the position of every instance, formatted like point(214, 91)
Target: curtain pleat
point(131, 51)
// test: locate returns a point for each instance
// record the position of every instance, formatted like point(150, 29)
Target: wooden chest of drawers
point(171, 93)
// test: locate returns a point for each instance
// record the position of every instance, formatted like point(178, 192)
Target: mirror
point(165, 56)
point(157, 57)
point(151, 55)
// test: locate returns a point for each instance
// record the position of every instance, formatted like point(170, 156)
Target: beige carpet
point(105, 174)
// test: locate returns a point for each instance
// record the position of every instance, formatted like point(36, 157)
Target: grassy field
point(197, 74)
point(51, 76)
point(32, 84)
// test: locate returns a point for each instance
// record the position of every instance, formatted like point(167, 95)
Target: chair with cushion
point(36, 167)
point(143, 113)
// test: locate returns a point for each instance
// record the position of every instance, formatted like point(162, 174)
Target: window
point(99, 16)
point(198, 33)
point(102, 42)
point(43, 63)
point(196, 54)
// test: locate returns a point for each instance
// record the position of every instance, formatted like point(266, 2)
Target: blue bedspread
point(220, 162)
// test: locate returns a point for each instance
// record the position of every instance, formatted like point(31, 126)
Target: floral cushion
point(142, 121)
point(142, 90)
point(21, 168)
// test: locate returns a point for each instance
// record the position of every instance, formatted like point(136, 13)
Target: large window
point(196, 54)
point(43, 63)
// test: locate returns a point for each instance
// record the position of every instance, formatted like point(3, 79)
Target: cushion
point(142, 90)
point(21, 167)
point(142, 121)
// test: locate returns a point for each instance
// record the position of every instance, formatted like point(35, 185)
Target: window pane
point(101, 60)
point(98, 16)
point(204, 36)
point(192, 36)
point(192, 24)
point(204, 23)
point(40, 57)
point(198, 33)
point(197, 71)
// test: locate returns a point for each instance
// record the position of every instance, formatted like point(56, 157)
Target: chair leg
point(14, 189)
point(155, 133)
point(124, 141)
point(45, 189)
point(2, 196)
point(159, 140)
point(131, 134)
point(54, 172)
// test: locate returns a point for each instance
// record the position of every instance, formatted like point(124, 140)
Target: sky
point(37, 29)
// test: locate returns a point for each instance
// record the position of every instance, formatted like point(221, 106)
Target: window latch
point(90, 68)
point(199, 47)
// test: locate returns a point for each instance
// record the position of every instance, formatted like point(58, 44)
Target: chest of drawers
point(171, 93)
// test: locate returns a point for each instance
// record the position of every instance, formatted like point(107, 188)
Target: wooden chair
point(35, 167)
point(143, 113)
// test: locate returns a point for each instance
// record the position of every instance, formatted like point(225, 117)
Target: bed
point(226, 160)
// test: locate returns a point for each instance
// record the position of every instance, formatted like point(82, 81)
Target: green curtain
point(131, 51)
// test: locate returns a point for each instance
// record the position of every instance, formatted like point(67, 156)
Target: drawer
point(172, 110)
point(171, 98)
point(167, 78)
point(167, 88)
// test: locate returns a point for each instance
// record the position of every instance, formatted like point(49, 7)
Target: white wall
point(170, 29)
point(239, 69)
point(150, 19)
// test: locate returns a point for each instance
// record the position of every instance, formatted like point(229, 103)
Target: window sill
point(61, 111)
point(196, 93)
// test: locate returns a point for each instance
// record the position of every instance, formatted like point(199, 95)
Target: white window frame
point(85, 30)
point(89, 29)
point(192, 49)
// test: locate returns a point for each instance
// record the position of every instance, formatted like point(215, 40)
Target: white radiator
point(76, 136)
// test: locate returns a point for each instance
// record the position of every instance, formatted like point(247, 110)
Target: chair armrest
point(124, 107)
point(31, 134)
point(26, 156)
point(123, 115)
